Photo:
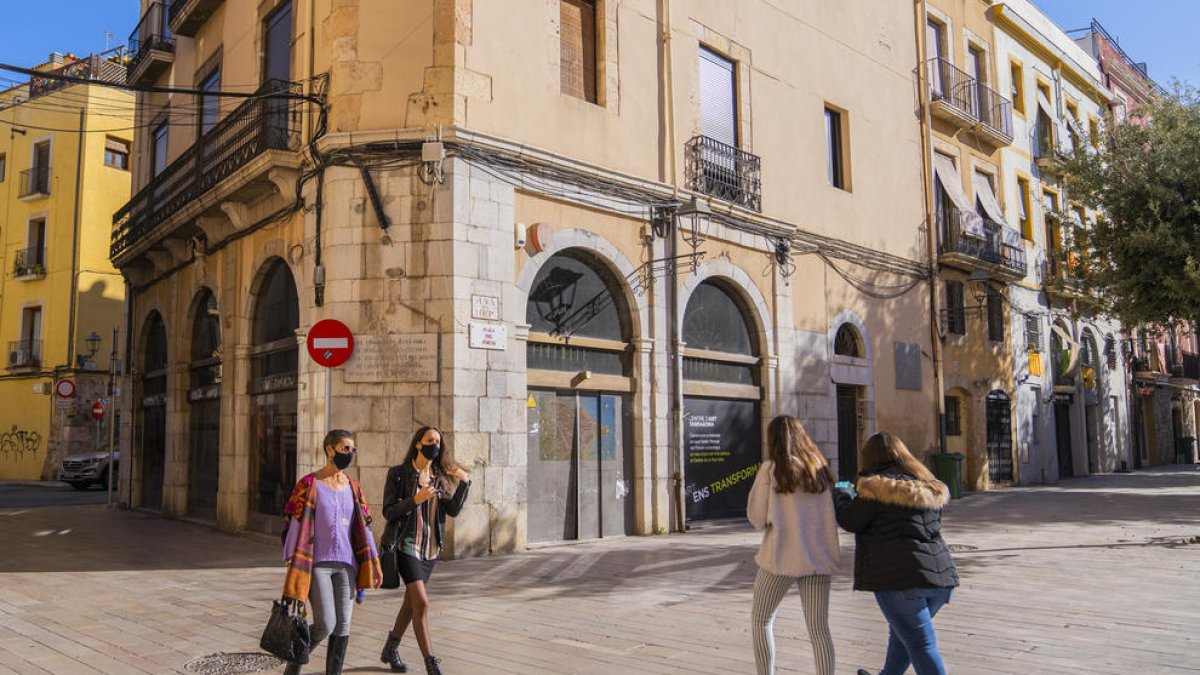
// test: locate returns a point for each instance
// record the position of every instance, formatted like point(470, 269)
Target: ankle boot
point(293, 668)
point(431, 665)
point(391, 654)
point(335, 654)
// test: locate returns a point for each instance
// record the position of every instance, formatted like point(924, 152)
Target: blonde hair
point(884, 448)
point(798, 462)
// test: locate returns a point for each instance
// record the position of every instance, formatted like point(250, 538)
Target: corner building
point(505, 203)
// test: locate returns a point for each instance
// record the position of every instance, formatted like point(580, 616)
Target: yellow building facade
point(64, 165)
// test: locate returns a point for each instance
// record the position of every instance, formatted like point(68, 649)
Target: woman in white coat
point(792, 501)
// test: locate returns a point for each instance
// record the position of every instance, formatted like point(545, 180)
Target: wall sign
point(485, 307)
point(394, 358)
point(488, 336)
point(722, 453)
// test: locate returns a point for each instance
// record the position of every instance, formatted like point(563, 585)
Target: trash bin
point(1185, 450)
point(949, 470)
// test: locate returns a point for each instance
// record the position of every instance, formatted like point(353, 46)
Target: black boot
point(391, 654)
point(335, 654)
point(293, 668)
point(431, 665)
point(863, 671)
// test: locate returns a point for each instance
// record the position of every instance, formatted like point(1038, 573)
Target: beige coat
point(801, 536)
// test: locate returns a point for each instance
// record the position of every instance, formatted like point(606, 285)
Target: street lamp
point(693, 217)
point(93, 344)
point(979, 282)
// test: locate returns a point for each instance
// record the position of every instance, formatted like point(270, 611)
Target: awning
point(1068, 344)
point(1044, 104)
point(983, 192)
point(948, 176)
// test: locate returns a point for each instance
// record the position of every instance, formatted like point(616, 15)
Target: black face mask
point(431, 452)
point(342, 459)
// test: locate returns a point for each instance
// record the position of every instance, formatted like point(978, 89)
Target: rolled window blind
point(718, 101)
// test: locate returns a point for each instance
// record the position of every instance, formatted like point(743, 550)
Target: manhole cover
point(962, 548)
point(232, 664)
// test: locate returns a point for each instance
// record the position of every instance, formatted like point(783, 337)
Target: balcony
point(967, 103)
point(971, 242)
point(105, 67)
point(1061, 274)
point(24, 354)
point(234, 164)
point(187, 16)
point(151, 46)
point(30, 263)
point(34, 183)
point(723, 171)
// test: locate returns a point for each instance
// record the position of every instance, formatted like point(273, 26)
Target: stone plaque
point(393, 358)
point(485, 307)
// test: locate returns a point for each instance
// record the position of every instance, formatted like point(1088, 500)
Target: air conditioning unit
point(18, 357)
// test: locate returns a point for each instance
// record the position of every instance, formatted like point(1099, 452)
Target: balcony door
point(277, 70)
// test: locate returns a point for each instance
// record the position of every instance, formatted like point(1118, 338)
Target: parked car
point(83, 471)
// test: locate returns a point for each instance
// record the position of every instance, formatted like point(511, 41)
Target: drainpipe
point(75, 243)
point(939, 386)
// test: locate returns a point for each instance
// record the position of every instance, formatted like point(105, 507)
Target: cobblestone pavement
point(1092, 575)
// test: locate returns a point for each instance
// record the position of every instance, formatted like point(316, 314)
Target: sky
point(1160, 32)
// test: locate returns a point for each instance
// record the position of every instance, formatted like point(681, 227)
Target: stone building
point(600, 243)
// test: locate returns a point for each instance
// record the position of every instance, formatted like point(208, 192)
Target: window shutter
point(577, 54)
point(718, 101)
point(956, 319)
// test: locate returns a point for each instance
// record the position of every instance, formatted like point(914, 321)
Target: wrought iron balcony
point(966, 234)
point(256, 126)
point(151, 45)
point(34, 183)
point(108, 66)
point(187, 16)
point(962, 100)
point(1062, 272)
point(723, 171)
point(24, 354)
point(30, 262)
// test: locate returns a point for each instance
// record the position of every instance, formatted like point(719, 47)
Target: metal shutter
point(718, 102)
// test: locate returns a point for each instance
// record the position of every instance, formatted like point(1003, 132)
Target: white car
point(85, 470)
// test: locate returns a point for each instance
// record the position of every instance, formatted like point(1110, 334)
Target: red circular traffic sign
point(98, 410)
point(65, 388)
point(330, 343)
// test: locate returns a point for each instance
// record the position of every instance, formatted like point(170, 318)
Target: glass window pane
point(573, 297)
point(714, 321)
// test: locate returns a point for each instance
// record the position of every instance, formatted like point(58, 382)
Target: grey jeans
point(332, 597)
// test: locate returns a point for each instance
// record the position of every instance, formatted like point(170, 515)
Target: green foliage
point(1143, 254)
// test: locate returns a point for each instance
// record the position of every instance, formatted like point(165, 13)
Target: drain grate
point(237, 663)
point(961, 548)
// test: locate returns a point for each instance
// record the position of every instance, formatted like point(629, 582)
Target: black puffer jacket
point(897, 522)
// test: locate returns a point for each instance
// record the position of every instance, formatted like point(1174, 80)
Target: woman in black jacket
point(420, 492)
point(899, 551)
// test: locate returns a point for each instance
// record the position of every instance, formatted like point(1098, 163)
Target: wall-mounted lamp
point(694, 217)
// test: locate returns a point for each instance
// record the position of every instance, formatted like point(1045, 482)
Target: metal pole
point(112, 427)
point(328, 395)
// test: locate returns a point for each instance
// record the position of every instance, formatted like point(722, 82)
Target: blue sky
point(1160, 32)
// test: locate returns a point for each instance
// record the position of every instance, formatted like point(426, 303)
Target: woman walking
point(900, 554)
point(329, 549)
point(790, 499)
point(420, 492)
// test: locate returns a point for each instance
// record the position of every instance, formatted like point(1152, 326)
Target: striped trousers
point(769, 590)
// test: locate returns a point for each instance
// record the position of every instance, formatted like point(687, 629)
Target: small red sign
point(98, 410)
point(65, 388)
point(330, 343)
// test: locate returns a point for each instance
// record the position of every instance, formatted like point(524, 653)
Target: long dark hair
point(798, 462)
point(444, 460)
point(886, 449)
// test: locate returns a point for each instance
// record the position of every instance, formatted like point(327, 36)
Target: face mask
point(342, 459)
point(431, 452)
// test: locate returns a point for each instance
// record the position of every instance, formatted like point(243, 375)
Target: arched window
point(153, 400)
point(574, 297)
point(714, 322)
point(274, 361)
point(847, 342)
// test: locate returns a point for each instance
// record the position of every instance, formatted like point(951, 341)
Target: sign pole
point(328, 395)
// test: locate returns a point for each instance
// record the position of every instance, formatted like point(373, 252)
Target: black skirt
point(412, 569)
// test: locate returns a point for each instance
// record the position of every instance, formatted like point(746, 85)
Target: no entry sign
point(98, 410)
point(330, 343)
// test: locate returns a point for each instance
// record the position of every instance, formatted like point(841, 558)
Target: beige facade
point(534, 291)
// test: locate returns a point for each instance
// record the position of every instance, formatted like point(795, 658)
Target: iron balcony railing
point(970, 234)
point(35, 181)
point(107, 66)
point(263, 123)
point(24, 354)
point(973, 98)
point(153, 33)
point(1062, 266)
point(30, 262)
point(723, 171)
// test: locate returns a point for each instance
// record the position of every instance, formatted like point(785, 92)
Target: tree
point(1141, 259)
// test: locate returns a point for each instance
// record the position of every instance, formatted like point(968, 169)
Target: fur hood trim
point(904, 491)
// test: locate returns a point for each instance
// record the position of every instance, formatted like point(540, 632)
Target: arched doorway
point(999, 438)
point(1064, 383)
point(1089, 370)
point(204, 407)
point(153, 446)
point(721, 404)
point(850, 418)
point(274, 355)
point(578, 361)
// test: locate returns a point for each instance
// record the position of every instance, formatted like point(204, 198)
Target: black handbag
point(287, 634)
point(389, 560)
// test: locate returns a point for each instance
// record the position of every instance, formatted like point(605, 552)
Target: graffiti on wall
point(16, 443)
